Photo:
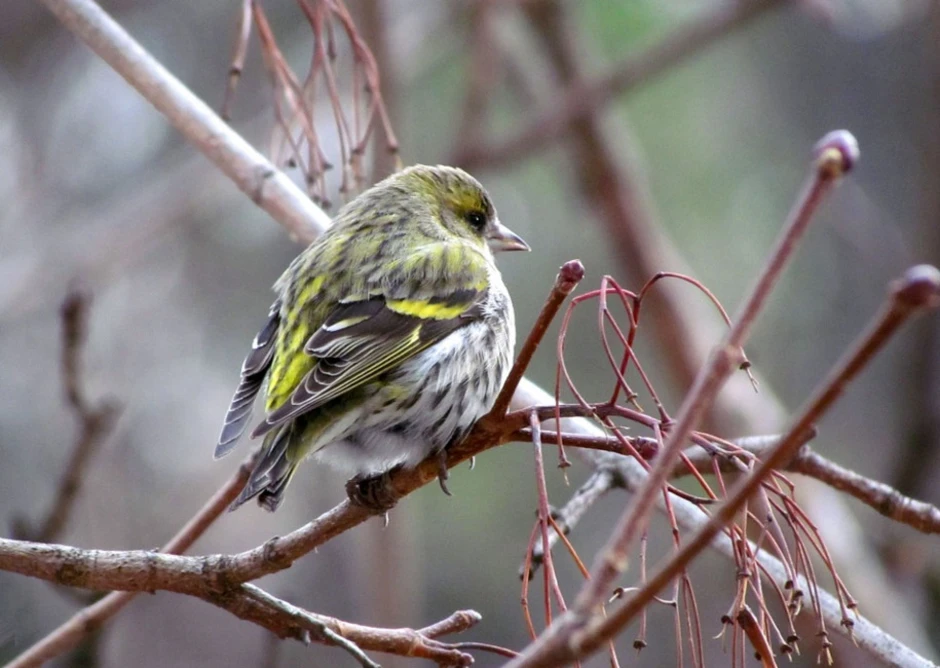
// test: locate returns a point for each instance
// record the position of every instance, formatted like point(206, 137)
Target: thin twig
point(917, 291)
point(552, 590)
point(594, 488)
point(239, 54)
point(95, 422)
point(883, 498)
point(569, 275)
point(834, 156)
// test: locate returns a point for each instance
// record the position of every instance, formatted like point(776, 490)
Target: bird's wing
point(361, 340)
point(254, 369)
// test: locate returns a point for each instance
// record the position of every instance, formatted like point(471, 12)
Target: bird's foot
point(373, 493)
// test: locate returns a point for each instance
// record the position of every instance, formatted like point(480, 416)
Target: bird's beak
point(501, 238)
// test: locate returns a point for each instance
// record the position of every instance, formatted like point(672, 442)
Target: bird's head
point(462, 205)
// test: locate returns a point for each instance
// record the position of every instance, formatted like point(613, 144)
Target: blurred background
point(702, 158)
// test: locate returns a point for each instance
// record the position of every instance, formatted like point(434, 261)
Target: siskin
point(391, 335)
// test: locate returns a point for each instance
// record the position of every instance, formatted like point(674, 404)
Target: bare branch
point(353, 638)
point(612, 558)
point(267, 186)
point(92, 618)
point(881, 497)
point(101, 569)
point(583, 99)
point(95, 422)
point(594, 488)
point(569, 275)
point(917, 291)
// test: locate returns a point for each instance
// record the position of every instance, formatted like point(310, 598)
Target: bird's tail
point(272, 473)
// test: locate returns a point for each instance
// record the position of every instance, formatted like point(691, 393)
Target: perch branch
point(298, 215)
point(70, 634)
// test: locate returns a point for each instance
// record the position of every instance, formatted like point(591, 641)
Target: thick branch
point(267, 186)
point(89, 619)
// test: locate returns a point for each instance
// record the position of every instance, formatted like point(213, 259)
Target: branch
point(220, 579)
point(95, 422)
point(92, 618)
point(583, 99)
point(881, 497)
point(578, 634)
point(569, 275)
point(68, 565)
point(142, 570)
point(615, 189)
point(254, 175)
point(282, 200)
point(287, 620)
point(835, 157)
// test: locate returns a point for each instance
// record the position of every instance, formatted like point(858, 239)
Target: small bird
point(390, 336)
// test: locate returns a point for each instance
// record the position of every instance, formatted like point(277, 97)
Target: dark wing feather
point(254, 370)
point(358, 343)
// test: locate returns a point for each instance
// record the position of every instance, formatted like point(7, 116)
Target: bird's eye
point(476, 219)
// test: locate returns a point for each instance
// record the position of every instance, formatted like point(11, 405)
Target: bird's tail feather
point(271, 474)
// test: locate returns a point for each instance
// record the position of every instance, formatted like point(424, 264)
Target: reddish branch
point(581, 632)
point(569, 275)
point(582, 99)
point(296, 141)
point(722, 363)
point(222, 584)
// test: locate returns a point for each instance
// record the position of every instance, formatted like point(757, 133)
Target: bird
point(390, 336)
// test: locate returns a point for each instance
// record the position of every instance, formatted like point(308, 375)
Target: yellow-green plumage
point(390, 337)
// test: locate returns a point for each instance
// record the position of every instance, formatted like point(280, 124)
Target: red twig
point(569, 275)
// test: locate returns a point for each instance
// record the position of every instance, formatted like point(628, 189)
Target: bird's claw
point(442, 473)
point(373, 493)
